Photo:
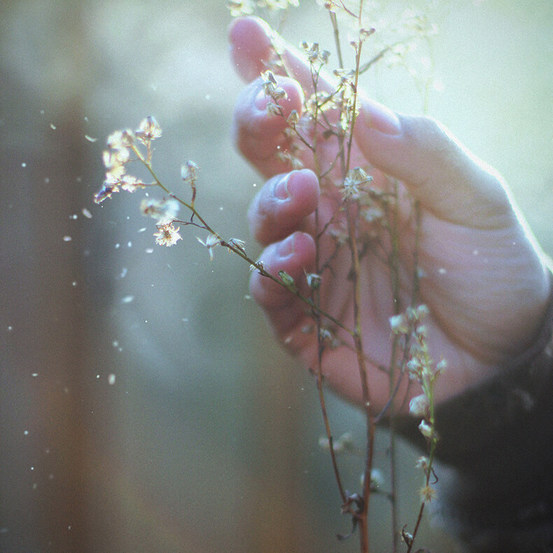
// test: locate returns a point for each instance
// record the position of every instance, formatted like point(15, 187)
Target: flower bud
point(418, 406)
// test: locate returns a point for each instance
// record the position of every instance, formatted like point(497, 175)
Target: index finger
point(255, 46)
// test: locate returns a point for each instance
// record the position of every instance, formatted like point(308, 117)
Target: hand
point(485, 281)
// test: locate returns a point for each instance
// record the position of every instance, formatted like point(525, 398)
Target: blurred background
point(143, 405)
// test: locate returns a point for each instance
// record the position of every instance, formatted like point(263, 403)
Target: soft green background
point(207, 440)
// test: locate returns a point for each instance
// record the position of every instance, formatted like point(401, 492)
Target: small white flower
point(313, 280)
point(238, 244)
point(398, 324)
point(293, 118)
point(441, 366)
point(105, 192)
point(189, 171)
point(422, 311)
point(418, 406)
point(425, 429)
point(120, 140)
point(148, 129)
point(377, 479)
point(113, 159)
point(414, 366)
point(164, 211)
point(239, 8)
point(325, 335)
point(427, 494)
point(167, 235)
point(257, 266)
point(372, 214)
point(422, 463)
point(130, 183)
point(421, 332)
point(210, 242)
point(273, 109)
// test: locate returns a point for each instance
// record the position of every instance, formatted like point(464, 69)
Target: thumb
point(449, 181)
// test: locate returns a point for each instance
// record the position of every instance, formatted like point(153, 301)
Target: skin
point(485, 280)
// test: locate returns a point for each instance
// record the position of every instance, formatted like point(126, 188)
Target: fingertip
point(249, 26)
point(250, 46)
point(283, 204)
point(258, 134)
point(376, 116)
point(304, 191)
point(294, 255)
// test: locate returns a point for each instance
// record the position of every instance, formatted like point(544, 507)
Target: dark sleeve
point(495, 456)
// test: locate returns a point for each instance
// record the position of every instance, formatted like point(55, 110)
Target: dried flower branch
point(367, 221)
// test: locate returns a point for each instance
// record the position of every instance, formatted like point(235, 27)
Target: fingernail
point(281, 191)
point(286, 247)
point(380, 118)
